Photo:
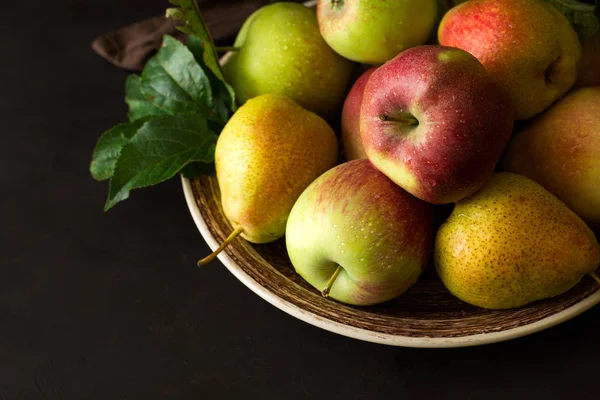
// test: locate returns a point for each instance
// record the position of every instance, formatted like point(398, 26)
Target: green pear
point(280, 50)
point(268, 153)
point(358, 237)
point(513, 243)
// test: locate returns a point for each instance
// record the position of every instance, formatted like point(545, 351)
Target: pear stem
point(219, 249)
point(225, 49)
point(329, 284)
point(405, 120)
point(593, 275)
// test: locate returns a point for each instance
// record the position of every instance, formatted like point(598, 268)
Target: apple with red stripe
point(435, 122)
point(351, 141)
point(357, 237)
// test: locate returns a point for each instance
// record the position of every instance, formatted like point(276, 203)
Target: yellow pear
point(512, 243)
point(268, 153)
point(560, 150)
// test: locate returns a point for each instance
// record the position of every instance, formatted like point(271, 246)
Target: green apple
point(561, 151)
point(357, 237)
point(374, 31)
point(281, 51)
point(528, 46)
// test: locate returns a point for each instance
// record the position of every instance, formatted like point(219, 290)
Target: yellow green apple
point(374, 31)
point(357, 237)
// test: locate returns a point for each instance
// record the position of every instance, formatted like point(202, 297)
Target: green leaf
point(139, 106)
point(109, 147)
point(175, 107)
point(196, 46)
point(190, 21)
point(179, 62)
point(202, 45)
point(159, 150)
point(224, 95)
point(173, 81)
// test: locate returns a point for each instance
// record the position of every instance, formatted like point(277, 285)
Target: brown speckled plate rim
point(372, 336)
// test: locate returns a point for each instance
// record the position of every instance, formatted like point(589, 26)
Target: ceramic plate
point(425, 316)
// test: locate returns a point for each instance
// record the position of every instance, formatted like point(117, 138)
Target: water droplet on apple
point(433, 183)
point(582, 134)
point(462, 121)
point(334, 226)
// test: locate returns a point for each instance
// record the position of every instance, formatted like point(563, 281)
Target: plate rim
point(367, 335)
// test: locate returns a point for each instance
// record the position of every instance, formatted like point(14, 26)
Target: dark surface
point(98, 305)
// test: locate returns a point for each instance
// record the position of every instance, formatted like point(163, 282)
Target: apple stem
point(405, 120)
point(593, 275)
point(219, 249)
point(225, 49)
point(327, 288)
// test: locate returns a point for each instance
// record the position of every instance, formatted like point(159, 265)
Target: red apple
point(435, 122)
point(351, 141)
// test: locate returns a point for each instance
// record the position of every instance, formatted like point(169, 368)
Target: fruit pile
point(426, 123)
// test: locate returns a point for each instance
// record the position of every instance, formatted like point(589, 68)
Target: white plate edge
point(366, 335)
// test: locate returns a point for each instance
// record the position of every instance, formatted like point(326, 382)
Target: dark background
point(98, 305)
